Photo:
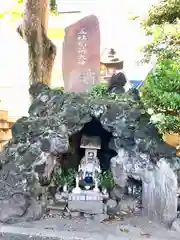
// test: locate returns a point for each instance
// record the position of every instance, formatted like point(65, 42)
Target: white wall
point(13, 71)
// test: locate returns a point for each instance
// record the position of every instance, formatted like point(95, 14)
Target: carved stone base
point(86, 196)
point(90, 207)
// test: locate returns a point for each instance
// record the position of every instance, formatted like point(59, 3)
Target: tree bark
point(41, 50)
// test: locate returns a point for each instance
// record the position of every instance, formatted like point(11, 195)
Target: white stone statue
point(89, 168)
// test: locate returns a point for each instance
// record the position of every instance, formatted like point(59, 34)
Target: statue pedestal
point(90, 202)
point(86, 206)
point(89, 195)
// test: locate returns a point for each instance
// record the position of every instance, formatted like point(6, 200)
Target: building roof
point(90, 142)
point(109, 56)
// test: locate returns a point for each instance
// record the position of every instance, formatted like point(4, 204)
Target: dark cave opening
point(92, 129)
point(72, 159)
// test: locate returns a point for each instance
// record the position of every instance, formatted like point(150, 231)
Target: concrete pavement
point(20, 233)
point(79, 229)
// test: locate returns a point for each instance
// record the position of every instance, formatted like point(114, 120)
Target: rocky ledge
point(41, 141)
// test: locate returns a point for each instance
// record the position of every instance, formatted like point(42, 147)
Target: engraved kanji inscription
point(81, 47)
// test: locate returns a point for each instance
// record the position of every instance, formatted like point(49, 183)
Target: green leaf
point(163, 25)
point(15, 12)
point(161, 93)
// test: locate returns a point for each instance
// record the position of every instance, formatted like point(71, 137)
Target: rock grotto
point(48, 141)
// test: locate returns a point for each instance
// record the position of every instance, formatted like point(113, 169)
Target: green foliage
point(68, 176)
point(100, 91)
point(161, 93)
point(58, 88)
point(2, 14)
point(53, 7)
point(106, 180)
point(163, 25)
point(165, 42)
point(168, 123)
point(124, 230)
point(62, 177)
point(133, 18)
point(164, 11)
point(15, 12)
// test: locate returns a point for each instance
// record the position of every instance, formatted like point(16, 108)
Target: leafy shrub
point(64, 177)
point(101, 91)
point(161, 93)
point(162, 23)
point(106, 180)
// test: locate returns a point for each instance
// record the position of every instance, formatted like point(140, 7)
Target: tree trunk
point(41, 50)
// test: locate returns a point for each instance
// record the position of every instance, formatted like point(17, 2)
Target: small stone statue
point(89, 166)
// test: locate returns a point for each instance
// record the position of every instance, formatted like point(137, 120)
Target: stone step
point(57, 206)
point(5, 124)
point(5, 135)
point(4, 115)
point(5, 129)
point(2, 143)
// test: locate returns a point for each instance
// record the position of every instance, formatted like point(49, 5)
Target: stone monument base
point(89, 195)
point(89, 207)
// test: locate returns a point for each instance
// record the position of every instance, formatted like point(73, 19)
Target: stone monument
point(81, 55)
